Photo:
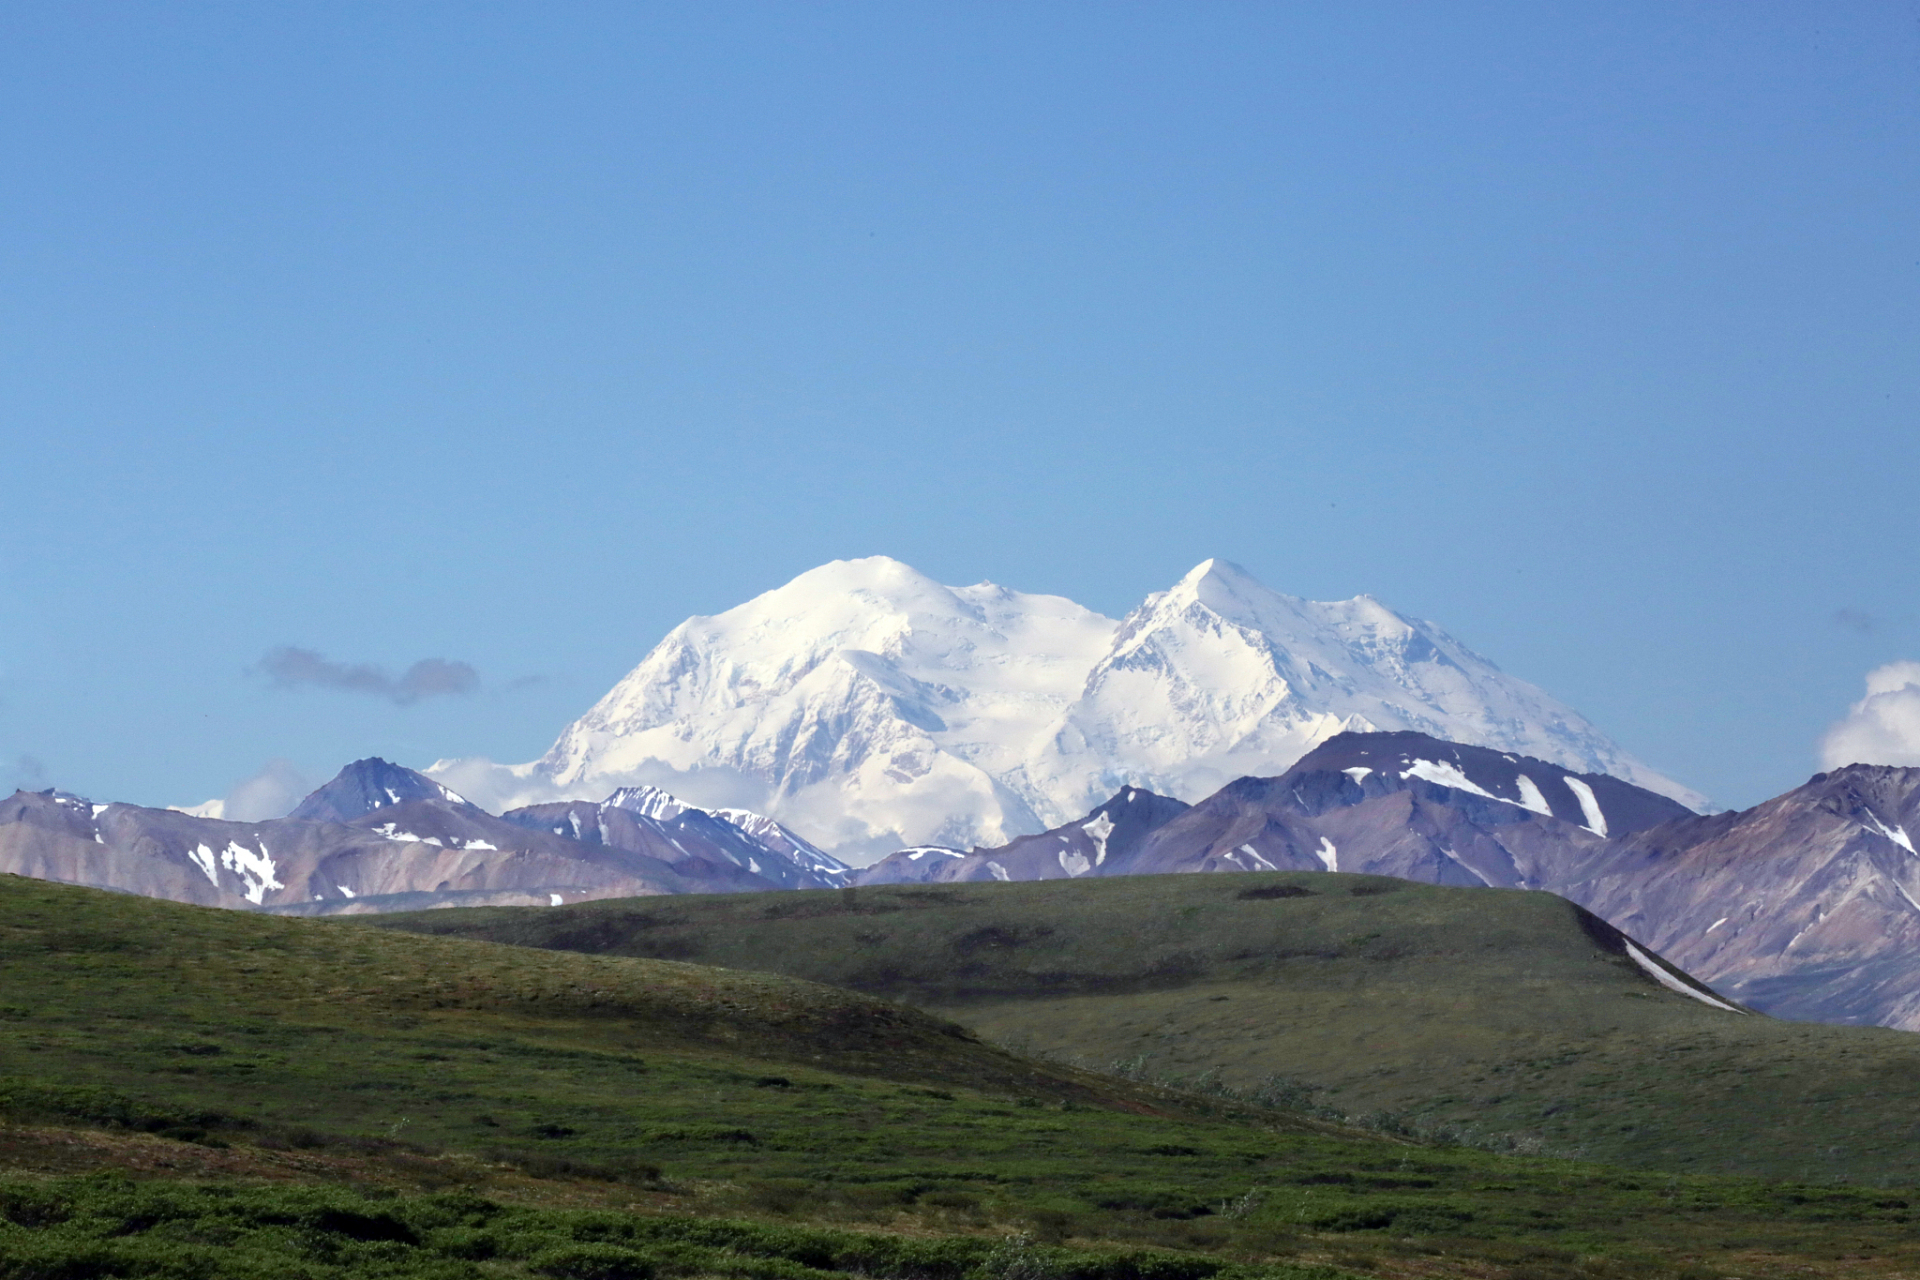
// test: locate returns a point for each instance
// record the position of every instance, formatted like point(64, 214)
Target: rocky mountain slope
point(873, 708)
point(726, 844)
point(381, 837)
point(1399, 804)
point(1807, 906)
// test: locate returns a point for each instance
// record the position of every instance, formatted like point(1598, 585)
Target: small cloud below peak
point(268, 794)
point(1884, 726)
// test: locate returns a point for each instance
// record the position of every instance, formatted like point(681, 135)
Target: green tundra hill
point(1495, 1017)
point(193, 1093)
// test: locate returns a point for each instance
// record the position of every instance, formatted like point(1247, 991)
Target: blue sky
point(511, 335)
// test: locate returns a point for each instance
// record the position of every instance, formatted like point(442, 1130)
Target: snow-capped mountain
point(872, 708)
point(860, 700)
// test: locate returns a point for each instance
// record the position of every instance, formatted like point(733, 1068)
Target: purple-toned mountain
point(379, 837)
point(1380, 763)
point(1407, 805)
point(1400, 804)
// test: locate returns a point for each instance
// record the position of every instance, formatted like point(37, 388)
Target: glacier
point(873, 708)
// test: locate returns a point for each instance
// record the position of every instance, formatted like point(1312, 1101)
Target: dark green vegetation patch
point(108, 1226)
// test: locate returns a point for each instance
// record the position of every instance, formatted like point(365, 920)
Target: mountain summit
point(872, 707)
point(366, 785)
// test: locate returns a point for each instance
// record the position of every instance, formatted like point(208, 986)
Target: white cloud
point(1884, 726)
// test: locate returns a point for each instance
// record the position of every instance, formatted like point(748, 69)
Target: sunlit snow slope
point(868, 707)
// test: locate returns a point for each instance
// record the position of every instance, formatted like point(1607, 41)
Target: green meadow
point(196, 1093)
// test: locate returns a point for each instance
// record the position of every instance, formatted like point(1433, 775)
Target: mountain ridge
point(378, 833)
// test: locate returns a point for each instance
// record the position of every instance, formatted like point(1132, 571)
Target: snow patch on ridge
point(1470, 870)
point(1254, 853)
point(391, 830)
point(914, 855)
point(1897, 834)
point(1909, 897)
point(1589, 805)
point(1329, 855)
point(1667, 980)
point(255, 869)
point(1447, 775)
point(1098, 830)
point(1531, 797)
point(203, 858)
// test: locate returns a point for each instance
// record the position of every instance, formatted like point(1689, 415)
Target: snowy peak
point(1221, 677)
point(1218, 584)
point(366, 785)
point(873, 708)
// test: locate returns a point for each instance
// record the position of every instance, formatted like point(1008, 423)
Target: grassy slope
point(1490, 1012)
point(238, 1063)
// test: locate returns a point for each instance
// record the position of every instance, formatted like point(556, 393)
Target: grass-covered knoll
point(317, 1098)
point(1495, 1015)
